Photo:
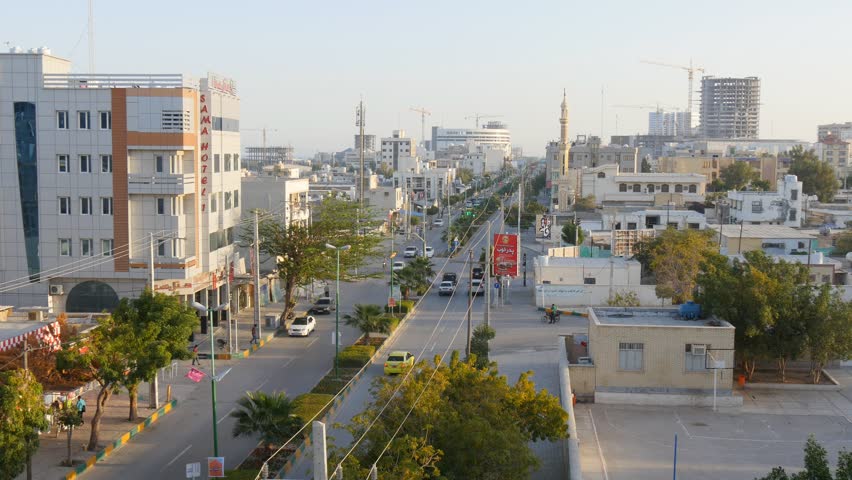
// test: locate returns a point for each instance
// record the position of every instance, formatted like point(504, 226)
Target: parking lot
point(632, 442)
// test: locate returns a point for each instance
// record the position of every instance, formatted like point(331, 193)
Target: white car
point(302, 326)
point(410, 252)
point(439, 222)
point(397, 266)
point(476, 287)
point(430, 252)
point(446, 288)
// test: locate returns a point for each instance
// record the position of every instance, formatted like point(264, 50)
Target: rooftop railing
point(83, 80)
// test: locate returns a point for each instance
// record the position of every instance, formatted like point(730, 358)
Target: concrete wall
point(664, 368)
point(582, 379)
point(571, 445)
point(585, 295)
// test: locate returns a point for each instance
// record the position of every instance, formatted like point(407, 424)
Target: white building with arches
point(611, 187)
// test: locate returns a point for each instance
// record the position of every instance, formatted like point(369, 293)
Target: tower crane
point(423, 112)
point(690, 70)
point(477, 116)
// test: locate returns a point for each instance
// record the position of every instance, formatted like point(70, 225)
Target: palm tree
point(368, 318)
point(408, 279)
point(269, 414)
point(423, 267)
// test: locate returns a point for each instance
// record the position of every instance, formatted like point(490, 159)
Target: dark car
point(450, 277)
point(323, 306)
point(478, 272)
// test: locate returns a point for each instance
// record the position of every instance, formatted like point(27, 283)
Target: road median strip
point(106, 451)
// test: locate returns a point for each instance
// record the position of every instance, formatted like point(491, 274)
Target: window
point(106, 120)
point(757, 206)
point(590, 281)
point(631, 225)
point(158, 160)
point(85, 205)
point(84, 120)
point(601, 175)
point(62, 119)
point(826, 279)
point(664, 189)
point(650, 189)
point(637, 188)
point(794, 194)
point(161, 206)
point(176, 247)
point(174, 203)
point(227, 200)
point(694, 358)
point(174, 164)
point(86, 247)
point(106, 205)
point(227, 162)
point(236, 198)
point(678, 188)
point(236, 162)
point(63, 164)
point(106, 163)
point(85, 164)
point(213, 203)
point(64, 247)
point(693, 226)
point(65, 205)
point(161, 248)
point(693, 189)
point(215, 163)
point(792, 214)
point(622, 187)
point(107, 246)
point(630, 356)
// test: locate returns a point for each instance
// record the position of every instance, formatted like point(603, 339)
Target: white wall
point(591, 295)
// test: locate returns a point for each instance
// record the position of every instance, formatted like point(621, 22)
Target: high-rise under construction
point(730, 107)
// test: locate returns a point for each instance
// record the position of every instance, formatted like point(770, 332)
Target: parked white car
point(302, 326)
point(410, 252)
point(430, 252)
point(397, 266)
point(438, 222)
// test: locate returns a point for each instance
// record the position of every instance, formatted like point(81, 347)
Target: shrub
point(393, 323)
point(309, 404)
point(402, 307)
point(356, 355)
point(330, 385)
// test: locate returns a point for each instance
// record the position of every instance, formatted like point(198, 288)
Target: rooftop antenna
point(91, 37)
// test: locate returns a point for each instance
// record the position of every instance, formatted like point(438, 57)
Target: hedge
point(393, 323)
point(331, 385)
point(356, 355)
point(403, 307)
point(307, 405)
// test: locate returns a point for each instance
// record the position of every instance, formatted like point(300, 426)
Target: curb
point(106, 451)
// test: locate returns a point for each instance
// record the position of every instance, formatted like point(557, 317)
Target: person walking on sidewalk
point(195, 360)
point(254, 335)
point(81, 407)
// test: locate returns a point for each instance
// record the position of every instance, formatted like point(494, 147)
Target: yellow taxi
point(398, 362)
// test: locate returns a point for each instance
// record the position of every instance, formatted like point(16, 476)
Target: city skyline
point(301, 69)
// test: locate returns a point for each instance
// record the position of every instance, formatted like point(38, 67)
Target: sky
point(302, 66)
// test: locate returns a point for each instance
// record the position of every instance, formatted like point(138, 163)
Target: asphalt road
point(292, 365)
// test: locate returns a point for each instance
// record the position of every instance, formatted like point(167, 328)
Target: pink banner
point(195, 375)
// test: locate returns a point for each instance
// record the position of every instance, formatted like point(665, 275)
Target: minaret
point(564, 145)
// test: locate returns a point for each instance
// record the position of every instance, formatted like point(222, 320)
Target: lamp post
point(390, 297)
point(213, 379)
point(337, 307)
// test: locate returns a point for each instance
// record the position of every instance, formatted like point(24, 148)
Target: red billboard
point(506, 254)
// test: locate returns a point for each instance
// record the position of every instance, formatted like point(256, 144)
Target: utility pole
point(360, 120)
point(228, 296)
point(469, 297)
point(154, 392)
point(151, 261)
point(487, 317)
point(26, 350)
point(256, 275)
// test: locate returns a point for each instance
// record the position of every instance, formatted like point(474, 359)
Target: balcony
point(161, 184)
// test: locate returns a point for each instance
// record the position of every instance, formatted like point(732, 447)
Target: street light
point(390, 297)
point(213, 379)
point(337, 307)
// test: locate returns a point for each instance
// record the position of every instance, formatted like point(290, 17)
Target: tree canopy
point(270, 415)
point(21, 414)
point(738, 175)
point(817, 177)
point(368, 318)
point(674, 258)
point(573, 234)
point(816, 465)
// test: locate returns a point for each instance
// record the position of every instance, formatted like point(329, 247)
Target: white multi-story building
point(427, 184)
point(842, 131)
point(92, 167)
point(781, 207)
point(587, 153)
point(672, 124)
point(654, 219)
point(397, 146)
point(287, 197)
point(836, 152)
point(484, 160)
point(609, 186)
point(493, 134)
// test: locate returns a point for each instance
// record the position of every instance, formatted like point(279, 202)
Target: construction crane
point(477, 116)
point(264, 130)
point(640, 107)
point(690, 70)
point(423, 112)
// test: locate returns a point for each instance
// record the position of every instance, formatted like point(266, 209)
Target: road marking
point(433, 346)
point(311, 342)
point(178, 456)
point(679, 422)
point(262, 384)
point(226, 415)
point(287, 363)
point(598, 442)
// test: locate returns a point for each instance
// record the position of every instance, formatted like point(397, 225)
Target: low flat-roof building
point(609, 186)
point(772, 239)
point(654, 356)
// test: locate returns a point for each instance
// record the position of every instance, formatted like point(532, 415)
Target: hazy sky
point(301, 66)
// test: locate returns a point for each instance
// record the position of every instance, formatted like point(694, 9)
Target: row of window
point(87, 247)
point(637, 188)
point(84, 120)
point(86, 206)
point(232, 163)
point(63, 163)
point(631, 357)
point(231, 200)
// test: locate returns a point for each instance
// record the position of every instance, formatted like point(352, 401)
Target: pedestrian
point(553, 311)
point(254, 335)
point(195, 360)
point(81, 407)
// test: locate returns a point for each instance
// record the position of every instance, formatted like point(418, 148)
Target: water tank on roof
point(690, 310)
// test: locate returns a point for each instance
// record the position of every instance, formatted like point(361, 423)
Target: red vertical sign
point(506, 254)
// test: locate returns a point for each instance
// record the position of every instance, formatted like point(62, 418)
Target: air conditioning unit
point(699, 349)
point(584, 360)
point(57, 290)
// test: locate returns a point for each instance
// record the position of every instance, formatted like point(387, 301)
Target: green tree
point(675, 258)
point(368, 318)
point(270, 415)
point(843, 244)
point(646, 166)
point(627, 298)
point(160, 326)
point(21, 416)
point(844, 465)
point(465, 175)
point(585, 204)
point(409, 280)
point(737, 175)
point(762, 185)
point(104, 356)
point(300, 251)
point(573, 234)
point(828, 322)
point(482, 334)
point(424, 267)
point(817, 177)
point(69, 417)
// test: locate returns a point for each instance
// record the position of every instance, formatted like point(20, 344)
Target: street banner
point(544, 223)
point(216, 467)
point(195, 375)
point(505, 254)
